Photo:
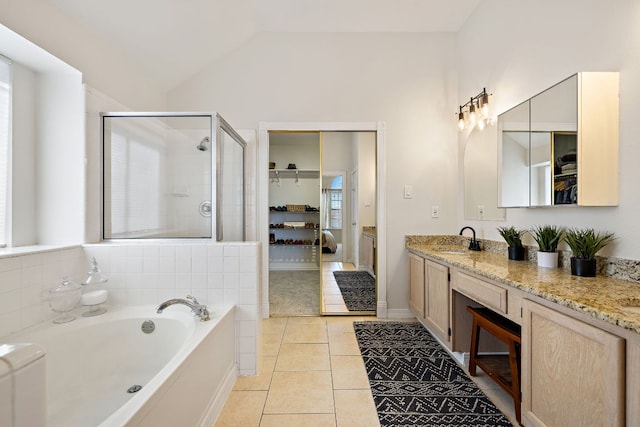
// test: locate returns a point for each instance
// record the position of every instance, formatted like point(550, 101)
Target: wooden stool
point(503, 369)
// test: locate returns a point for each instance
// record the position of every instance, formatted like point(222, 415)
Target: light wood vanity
point(580, 343)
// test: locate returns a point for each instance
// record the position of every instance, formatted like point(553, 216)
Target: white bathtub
point(186, 367)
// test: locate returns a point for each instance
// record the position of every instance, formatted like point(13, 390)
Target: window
point(5, 135)
point(335, 213)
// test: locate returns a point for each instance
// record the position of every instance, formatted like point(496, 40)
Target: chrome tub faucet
point(199, 310)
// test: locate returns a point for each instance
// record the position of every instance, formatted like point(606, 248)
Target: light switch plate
point(408, 191)
point(435, 211)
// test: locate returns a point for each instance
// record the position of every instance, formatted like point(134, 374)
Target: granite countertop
point(600, 297)
point(369, 230)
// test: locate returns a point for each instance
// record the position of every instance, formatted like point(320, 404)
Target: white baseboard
point(399, 313)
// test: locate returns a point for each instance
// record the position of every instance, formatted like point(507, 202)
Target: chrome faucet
point(198, 309)
point(474, 245)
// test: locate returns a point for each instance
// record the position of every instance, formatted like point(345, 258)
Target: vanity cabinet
point(561, 146)
point(573, 373)
point(429, 294)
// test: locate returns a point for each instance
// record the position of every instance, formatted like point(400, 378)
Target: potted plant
point(513, 237)
point(547, 237)
point(584, 244)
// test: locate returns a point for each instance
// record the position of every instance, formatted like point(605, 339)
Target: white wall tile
point(215, 280)
point(198, 281)
point(31, 276)
point(9, 301)
point(183, 280)
point(11, 263)
point(231, 251)
point(134, 265)
point(10, 322)
point(166, 264)
point(9, 280)
point(150, 296)
point(150, 281)
point(167, 281)
point(150, 264)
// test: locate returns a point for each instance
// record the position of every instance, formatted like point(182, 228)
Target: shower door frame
point(218, 124)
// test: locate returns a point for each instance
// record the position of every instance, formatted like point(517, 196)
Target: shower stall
point(172, 175)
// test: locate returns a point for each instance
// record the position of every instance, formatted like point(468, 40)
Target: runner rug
point(358, 290)
point(415, 382)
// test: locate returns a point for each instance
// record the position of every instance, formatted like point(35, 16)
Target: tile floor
point(312, 374)
point(332, 301)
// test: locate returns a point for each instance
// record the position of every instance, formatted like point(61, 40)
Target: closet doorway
point(322, 219)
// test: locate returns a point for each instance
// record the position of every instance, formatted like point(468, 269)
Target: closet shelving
point(294, 229)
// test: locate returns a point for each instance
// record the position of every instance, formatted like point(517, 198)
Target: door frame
point(262, 208)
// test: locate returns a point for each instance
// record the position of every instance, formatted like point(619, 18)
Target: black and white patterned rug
point(358, 289)
point(415, 382)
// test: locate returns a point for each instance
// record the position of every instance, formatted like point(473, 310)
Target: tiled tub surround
point(217, 274)
point(602, 297)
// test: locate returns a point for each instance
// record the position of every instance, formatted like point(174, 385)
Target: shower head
point(203, 144)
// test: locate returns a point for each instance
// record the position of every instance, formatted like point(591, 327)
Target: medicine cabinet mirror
point(560, 147)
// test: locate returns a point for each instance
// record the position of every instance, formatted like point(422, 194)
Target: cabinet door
point(573, 373)
point(437, 304)
point(416, 285)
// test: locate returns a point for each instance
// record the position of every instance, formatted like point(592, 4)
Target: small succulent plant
point(547, 237)
point(512, 236)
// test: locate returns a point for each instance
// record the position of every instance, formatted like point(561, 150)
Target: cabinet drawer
point(491, 295)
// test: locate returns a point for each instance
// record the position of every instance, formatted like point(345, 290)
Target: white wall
point(405, 80)
point(521, 57)
point(102, 65)
point(23, 165)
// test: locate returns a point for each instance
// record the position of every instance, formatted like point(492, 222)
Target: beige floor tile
point(297, 420)
point(305, 333)
point(303, 357)
point(274, 325)
point(343, 344)
point(271, 344)
point(262, 381)
point(243, 408)
point(340, 324)
point(303, 392)
point(355, 408)
point(306, 320)
point(349, 373)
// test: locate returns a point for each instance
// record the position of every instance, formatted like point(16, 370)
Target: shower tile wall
point(217, 274)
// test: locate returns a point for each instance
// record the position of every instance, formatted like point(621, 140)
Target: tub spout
point(200, 310)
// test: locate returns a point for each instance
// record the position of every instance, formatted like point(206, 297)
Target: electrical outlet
point(481, 212)
point(435, 211)
point(408, 191)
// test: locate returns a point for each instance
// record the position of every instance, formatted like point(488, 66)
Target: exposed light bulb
point(485, 105)
point(461, 123)
point(472, 113)
point(481, 124)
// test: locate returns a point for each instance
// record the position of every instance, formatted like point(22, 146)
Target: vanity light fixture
point(475, 112)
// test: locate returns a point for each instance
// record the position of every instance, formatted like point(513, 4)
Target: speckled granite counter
point(600, 297)
point(369, 230)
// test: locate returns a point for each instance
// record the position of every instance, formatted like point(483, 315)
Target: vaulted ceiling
point(174, 39)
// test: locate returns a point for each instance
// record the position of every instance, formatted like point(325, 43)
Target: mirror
point(513, 156)
point(481, 176)
point(537, 152)
point(554, 125)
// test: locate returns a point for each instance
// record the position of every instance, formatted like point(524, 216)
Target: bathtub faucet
point(198, 309)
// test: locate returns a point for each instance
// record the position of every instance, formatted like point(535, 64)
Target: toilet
point(22, 385)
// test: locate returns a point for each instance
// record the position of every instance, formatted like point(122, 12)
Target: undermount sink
point(631, 305)
point(452, 251)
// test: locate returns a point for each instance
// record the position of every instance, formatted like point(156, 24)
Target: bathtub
point(186, 367)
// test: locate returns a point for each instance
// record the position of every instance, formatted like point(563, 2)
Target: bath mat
point(358, 290)
point(415, 382)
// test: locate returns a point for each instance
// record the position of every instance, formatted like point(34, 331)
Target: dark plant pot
point(516, 253)
point(583, 267)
